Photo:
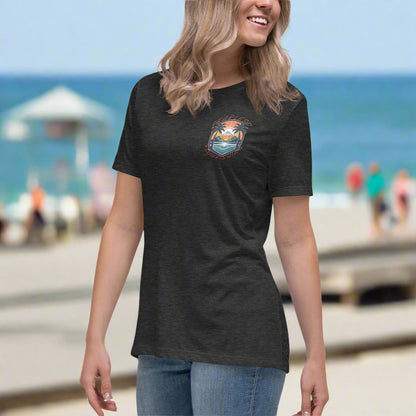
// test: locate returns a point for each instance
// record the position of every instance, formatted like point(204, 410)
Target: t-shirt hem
point(292, 191)
point(213, 358)
point(126, 169)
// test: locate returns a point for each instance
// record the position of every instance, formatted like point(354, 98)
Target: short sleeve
point(127, 156)
point(290, 169)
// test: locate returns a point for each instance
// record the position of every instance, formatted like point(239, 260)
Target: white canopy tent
point(63, 111)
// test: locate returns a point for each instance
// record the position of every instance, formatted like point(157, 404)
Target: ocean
point(354, 118)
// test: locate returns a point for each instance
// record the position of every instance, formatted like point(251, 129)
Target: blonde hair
point(209, 27)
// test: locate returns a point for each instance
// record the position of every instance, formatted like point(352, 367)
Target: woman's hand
point(313, 383)
point(95, 378)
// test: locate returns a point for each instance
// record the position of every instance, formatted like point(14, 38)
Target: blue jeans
point(168, 386)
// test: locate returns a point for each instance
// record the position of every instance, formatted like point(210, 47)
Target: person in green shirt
point(376, 190)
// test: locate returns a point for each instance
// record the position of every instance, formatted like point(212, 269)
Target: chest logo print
point(227, 136)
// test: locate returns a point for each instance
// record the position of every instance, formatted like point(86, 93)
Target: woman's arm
point(121, 235)
point(297, 249)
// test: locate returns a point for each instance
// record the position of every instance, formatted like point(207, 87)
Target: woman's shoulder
point(148, 81)
point(296, 106)
point(294, 88)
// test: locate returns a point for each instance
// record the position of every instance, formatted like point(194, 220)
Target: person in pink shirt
point(401, 190)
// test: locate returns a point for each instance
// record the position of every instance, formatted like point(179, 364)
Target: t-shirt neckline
point(228, 87)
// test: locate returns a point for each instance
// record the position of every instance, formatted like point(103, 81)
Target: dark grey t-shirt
point(206, 292)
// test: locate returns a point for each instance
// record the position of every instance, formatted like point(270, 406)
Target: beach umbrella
point(63, 112)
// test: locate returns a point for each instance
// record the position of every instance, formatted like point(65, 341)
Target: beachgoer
point(376, 190)
point(36, 221)
point(401, 190)
point(102, 182)
point(3, 223)
point(354, 179)
point(200, 181)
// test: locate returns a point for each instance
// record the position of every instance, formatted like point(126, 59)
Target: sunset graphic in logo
point(227, 136)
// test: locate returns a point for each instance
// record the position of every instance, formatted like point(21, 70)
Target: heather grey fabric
point(206, 291)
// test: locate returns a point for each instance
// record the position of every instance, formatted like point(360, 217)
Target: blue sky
point(130, 36)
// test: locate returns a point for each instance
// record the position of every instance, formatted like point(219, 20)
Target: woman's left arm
point(298, 252)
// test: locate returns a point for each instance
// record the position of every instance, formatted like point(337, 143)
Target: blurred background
point(66, 72)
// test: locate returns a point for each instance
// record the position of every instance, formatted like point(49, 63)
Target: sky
point(130, 36)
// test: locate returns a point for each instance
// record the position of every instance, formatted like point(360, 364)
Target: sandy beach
point(35, 268)
point(45, 304)
point(367, 385)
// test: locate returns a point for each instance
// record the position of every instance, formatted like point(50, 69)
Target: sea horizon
point(353, 118)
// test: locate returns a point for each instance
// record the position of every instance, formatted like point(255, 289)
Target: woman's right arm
point(121, 235)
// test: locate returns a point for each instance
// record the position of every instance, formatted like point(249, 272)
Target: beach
point(373, 383)
point(77, 93)
point(45, 305)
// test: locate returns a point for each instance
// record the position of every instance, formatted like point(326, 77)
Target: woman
point(207, 148)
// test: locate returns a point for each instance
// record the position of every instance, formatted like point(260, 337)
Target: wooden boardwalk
point(350, 271)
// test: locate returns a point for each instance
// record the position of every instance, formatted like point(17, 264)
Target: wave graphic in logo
point(227, 136)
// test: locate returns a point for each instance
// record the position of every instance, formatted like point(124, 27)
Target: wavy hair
point(211, 26)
